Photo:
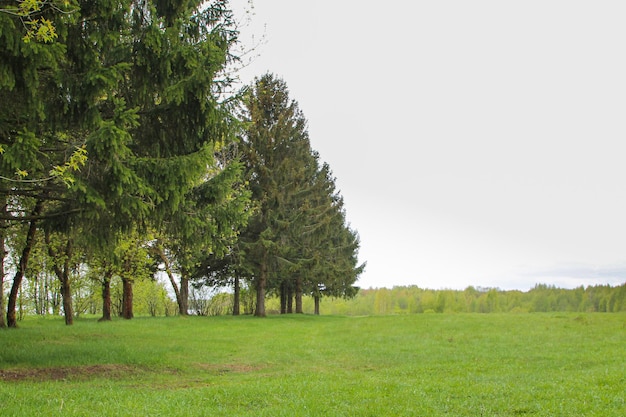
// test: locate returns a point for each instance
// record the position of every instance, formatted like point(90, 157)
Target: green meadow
point(541, 364)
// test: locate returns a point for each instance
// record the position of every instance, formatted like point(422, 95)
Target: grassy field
point(418, 365)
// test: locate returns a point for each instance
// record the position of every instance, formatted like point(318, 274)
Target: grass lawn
point(418, 365)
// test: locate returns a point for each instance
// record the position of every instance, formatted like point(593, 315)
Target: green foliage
point(423, 365)
point(206, 303)
point(32, 15)
point(151, 298)
point(132, 257)
point(131, 93)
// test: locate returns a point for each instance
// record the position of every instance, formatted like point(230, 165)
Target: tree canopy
point(122, 128)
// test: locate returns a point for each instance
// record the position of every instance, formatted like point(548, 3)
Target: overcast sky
point(475, 142)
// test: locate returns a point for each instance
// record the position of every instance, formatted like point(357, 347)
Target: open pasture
point(409, 365)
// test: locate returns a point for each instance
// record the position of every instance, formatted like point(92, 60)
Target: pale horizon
point(475, 143)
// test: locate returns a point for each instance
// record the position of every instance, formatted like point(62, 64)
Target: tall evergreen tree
point(276, 136)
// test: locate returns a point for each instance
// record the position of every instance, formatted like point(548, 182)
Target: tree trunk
point(182, 309)
point(299, 295)
point(290, 300)
point(45, 301)
point(63, 274)
point(283, 297)
point(317, 305)
point(3, 253)
point(127, 298)
point(56, 303)
point(183, 303)
point(260, 291)
point(236, 297)
point(106, 296)
point(21, 267)
point(66, 292)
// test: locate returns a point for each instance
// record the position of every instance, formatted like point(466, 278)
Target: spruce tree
point(275, 140)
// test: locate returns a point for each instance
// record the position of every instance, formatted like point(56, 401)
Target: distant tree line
point(541, 298)
point(151, 299)
point(126, 155)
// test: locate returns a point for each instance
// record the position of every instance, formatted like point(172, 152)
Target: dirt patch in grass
point(109, 371)
point(67, 373)
point(228, 368)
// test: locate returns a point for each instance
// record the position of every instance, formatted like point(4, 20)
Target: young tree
point(134, 264)
point(61, 252)
point(102, 269)
point(150, 297)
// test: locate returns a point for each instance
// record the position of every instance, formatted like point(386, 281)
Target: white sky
point(475, 142)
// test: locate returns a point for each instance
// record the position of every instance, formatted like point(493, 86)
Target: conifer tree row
point(297, 242)
point(119, 153)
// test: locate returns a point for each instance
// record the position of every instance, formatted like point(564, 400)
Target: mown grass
point(418, 365)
